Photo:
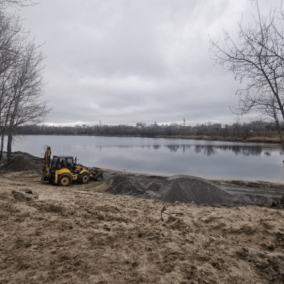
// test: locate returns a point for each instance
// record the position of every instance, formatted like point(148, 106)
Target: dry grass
point(231, 138)
point(264, 139)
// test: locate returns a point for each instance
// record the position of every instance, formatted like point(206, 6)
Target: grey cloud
point(123, 61)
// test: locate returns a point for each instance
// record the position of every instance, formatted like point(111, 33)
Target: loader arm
point(46, 163)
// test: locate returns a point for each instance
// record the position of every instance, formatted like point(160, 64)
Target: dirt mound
point(185, 189)
point(27, 155)
point(125, 185)
point(20, 196)
point(189, 189)
point(20, 163)
point(182, 188)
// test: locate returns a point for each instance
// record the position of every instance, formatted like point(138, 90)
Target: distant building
point(153, 125)
point(140, 125)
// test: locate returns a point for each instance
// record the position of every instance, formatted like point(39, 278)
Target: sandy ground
point(80, 234)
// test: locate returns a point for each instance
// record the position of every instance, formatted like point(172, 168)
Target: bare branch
point(257, 58)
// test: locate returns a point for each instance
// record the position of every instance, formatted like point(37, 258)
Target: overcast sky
point(128, 61)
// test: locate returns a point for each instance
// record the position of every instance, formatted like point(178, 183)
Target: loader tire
point(84, 178)
point(64, 180)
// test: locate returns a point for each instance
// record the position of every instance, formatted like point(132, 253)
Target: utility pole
point(184, 122)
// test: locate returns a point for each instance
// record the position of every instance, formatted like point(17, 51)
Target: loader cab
point(60, 162)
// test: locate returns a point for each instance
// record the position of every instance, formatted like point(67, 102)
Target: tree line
point(20, 74)
point(236, 130)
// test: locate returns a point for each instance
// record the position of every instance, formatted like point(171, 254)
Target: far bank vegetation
point(256, 131)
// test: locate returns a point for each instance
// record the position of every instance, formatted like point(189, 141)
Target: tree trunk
point(2, 145)
point(9, 145)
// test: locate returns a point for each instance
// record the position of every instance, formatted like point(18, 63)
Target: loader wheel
point(84, 178)
point(64, 180)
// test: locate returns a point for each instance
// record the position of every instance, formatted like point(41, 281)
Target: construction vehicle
point(63, 170)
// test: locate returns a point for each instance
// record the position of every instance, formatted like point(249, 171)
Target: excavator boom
point(46, 163)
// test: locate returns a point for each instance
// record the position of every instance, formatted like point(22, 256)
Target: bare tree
point(20, 75)
point(11, 44)
point(20, 3)
point(258, 59)
point(26, 90)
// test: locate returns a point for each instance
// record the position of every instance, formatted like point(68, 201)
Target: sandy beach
point(82, 234)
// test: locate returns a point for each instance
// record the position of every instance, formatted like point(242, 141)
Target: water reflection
point(206, 150)
point(173, 148)
point(243, 150)
point(209, 150)
point(208, 159)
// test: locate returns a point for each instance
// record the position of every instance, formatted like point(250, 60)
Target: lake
point(208, 159)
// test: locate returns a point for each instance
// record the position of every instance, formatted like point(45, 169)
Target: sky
point(128, 61)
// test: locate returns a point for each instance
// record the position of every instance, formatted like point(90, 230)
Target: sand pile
point(132, 185)
point(123, 185)
point(20, 163)
point(187, 189)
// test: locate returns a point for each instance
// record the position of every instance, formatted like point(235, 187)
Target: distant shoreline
point(259, 139)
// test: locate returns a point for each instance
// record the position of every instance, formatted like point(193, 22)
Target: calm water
point(208, 159)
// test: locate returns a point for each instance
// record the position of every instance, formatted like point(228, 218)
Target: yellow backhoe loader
point(63, 170)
